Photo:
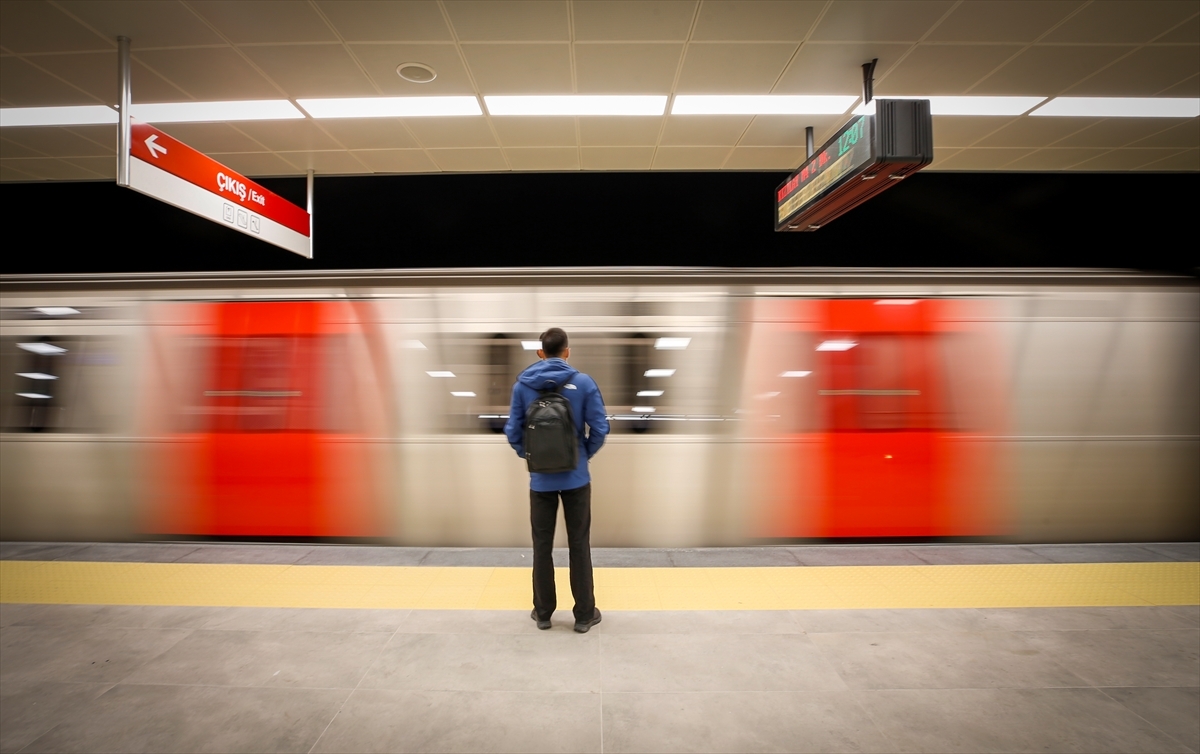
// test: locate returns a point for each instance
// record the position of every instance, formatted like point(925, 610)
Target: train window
point(264, 383)
point(884, 382)
point(59, 384)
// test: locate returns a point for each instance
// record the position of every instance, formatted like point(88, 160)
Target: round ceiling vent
point(418, 73)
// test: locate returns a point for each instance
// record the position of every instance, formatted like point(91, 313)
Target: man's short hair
point(554, 342)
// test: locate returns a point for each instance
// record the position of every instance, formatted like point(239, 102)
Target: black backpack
point(551, 440)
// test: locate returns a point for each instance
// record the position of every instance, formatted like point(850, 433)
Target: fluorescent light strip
point(42, 349)
point(207, 112)
point(440, 374)
point(796, 373)
point(672, 344)
point(83, 115)
point(761, 104)
point(56, 311)
point(390, 107)
point(577, 104)
point(966, 105)
point(1121, 107)
point(836, 345)
point(531, 345)
point(896, 302)
point(649, 393)
point(659, 372)
point(414, 345)
point(642, 409)
point(462, 394)
point(32, 395)
point(37, 375)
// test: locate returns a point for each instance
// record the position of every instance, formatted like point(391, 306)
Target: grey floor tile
point(974, 554)
point(850, 555)
point(943, 659)
point(715, 662)
point(494, 557)
point(153, 616)
point(623, 557)
point(1181, 551)
point(886, 619)
point(1189, 613)
point(195, 719)
point(1099, 553)
point(275, 554)
point(84, 654)
point(354, 555)
point(1084, 618)
point(551, 661)
point(1174, 711)
point(384, 720)
point(733, 557)
point(1124, 657)
point(477, 622)
point(130, 553)
point(826, 721)
point(335, 620)
point(264, 658)
point(1011, 720)
point(700, 622)
point(36, 550)
point(29, 709)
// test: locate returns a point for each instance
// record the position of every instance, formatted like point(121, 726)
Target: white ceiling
point(62, 52)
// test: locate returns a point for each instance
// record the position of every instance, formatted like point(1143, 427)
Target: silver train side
point(1083, 404)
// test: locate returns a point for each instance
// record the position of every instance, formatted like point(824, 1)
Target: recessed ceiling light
point(896, 302)
point(672, 344)
point(761, 104)
point(649, 393)
point(418, 73)
point(206, 112)
point(32, 395)
point(577, 104)
point(836, 345)
point(659, 372)
point(440, 374)
point(1122, 107)
point(967, 105)
point(642, 409)
point(37, 375)
point(531, 345)
point(415, 345)
point(390, 107)
point(83, 115)
point(42, 349)
point(796, 373)
point(56, 311)
point(462, 394)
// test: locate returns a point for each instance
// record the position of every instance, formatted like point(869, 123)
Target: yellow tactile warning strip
point(797, 588)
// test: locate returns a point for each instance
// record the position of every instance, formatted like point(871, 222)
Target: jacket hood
point(547, 375)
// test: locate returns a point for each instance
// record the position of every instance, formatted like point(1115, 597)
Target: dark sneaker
point(581, 627)
point(542, 624)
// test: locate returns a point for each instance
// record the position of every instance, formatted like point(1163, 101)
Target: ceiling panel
point(370, 133)
point(510, 21)
point(1125, 159)
point(372, 21)
point(100, 167)
point(765, 158)
point(617, 158)
point(96, 74)
point(758, 20)
point(963, 131)
point(1053, 159)
point(786, 130)
point(1035, 132)
point(640, 20)
point(258, 164)
point(1048, 69)
point(1189, 88)
point(62, 142)
point(941, 156)
point(1187, 33)
point(835, 68)
point(535, 132)
point(206, 73)
point(520, 69)
point(1113, 21)
point(982, 159)
point(542, 158)
point(1117, 132)
point(9, 148)
point(1002, 20)
point(690, 158)
point(396, 160)
point(146, 24)
point(1186, 160)
point(726, 68)
point(943, 69)
point(879, 20)
point(211, 137)
point(1182, 135)
point(1150, 69)
point(23, 85)
point(704, 130)
point(452, 132)
point(381, 61)
point(288, 135)
point(10, 171)
point(335, 162)
point(469, 160)
point(265, 21)
point(312, 70)
point(619, 131)
point(31, 26)
point(626, 68)
point(49, 169)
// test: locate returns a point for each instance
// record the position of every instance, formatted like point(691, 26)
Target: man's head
point(554, 344)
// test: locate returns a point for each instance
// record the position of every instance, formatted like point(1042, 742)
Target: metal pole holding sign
point(124, 98)
point(809, 148)
point(309, 191)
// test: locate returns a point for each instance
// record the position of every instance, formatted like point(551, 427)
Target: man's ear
point(566, 354)
point(541, 354)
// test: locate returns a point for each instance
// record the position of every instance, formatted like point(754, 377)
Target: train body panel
point(747, 407)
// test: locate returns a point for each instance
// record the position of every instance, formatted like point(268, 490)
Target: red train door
point(881, 400)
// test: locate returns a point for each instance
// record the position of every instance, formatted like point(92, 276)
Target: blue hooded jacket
point(587, 409)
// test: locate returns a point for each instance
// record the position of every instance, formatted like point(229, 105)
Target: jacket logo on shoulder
point(569, 386)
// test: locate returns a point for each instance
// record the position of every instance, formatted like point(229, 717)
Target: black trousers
point(577, 512)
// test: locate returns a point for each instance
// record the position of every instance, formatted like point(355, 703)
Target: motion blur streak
point(1006, 405)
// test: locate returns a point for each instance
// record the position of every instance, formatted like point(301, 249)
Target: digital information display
point(842, 156)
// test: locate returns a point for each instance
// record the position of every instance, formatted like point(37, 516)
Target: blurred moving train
point(751, 406)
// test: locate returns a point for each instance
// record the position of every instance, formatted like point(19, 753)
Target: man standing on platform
point(556, 423)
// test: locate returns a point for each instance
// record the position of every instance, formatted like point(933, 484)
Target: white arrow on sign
point(154, 147)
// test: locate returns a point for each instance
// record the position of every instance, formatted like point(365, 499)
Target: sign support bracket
point(309, 193)
point(124, 98)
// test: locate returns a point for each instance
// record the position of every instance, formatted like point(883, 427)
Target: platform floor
point(103, 653)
